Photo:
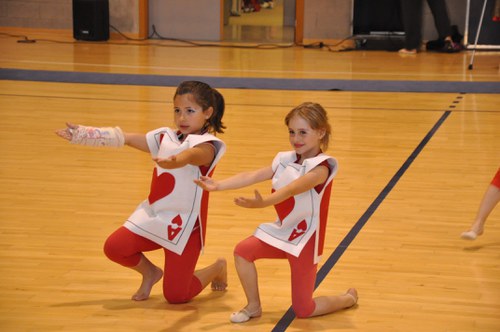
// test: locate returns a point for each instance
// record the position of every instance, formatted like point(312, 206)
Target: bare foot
point(407, 51)
point(148, 282)
point(353, 294)
point(219, 283)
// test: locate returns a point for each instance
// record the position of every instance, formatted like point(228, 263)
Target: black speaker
point(377, 16)
point(91, 20)
point(378, 25)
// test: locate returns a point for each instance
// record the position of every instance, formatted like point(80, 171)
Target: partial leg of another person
point(443, 25)
point(126, 248)
point(303, 272)
point(490, 200)
point(181, 282)
point(411, 11)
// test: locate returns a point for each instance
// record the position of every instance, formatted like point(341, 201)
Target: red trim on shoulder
point(319, 187)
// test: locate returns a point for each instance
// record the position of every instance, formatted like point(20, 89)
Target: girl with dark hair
point(174, 216)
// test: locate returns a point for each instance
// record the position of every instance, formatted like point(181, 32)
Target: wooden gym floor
point(413, 169)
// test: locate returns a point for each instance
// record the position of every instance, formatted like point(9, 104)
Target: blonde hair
point(317, 118)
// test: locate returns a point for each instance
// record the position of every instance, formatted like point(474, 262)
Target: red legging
point(179, 283)
point(303, 270)
point(496, 179)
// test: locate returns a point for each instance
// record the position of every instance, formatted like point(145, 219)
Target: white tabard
point(298, 216)
point(174, 204)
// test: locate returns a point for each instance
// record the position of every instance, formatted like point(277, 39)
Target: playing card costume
point(175, 202)
point(298, 233)
point(299, 216)
point(173, 216)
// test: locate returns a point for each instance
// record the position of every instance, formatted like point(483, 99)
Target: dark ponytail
point(219, 105)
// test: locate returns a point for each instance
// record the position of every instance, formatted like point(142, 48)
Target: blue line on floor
point(289, 316)
point(251, 82)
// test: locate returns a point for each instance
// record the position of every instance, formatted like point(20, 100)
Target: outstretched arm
point(102, 136)
point(239, 180)
point(137, 141)
point(310, 180)
point(199, 155)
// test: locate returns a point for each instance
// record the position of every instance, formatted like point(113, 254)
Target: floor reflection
point(258, 34)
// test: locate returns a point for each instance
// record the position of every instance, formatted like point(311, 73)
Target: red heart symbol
point(284, 208)
point(173, 231)
point(298, 231)
point(161, 186)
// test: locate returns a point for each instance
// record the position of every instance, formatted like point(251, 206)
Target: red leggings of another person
point(179, 283)
point(496, 179)
point(303, 270)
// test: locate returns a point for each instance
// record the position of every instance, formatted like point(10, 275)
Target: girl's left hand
point(168, 163)
point(256, 202)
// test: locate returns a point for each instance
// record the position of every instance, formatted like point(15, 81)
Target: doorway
point(265, 25)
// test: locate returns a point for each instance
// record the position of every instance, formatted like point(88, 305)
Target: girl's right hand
point(207, 183)
point(67, 133)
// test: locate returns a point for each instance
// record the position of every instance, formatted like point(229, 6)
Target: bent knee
point(173, 297)
point(175, 300)
point(303, 311)
point(241, 251)
point(111, 251)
